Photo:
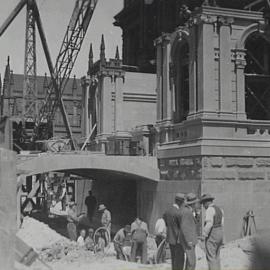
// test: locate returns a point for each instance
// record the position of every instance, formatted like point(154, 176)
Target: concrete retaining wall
point(7, 208)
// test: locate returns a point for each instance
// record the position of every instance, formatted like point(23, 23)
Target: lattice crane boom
point(69, 50)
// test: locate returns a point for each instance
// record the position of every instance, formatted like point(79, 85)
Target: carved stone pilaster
point(239, 58)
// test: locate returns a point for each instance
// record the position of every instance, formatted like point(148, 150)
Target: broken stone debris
point(61, 253)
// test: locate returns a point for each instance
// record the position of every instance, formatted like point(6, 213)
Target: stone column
point(240, 64)
point(206, 66)
point(167, 98)
point(193, 50)
point(85, 100)
point(106, 87)
point(159, 78)
point(119, 121)
point(7, 208)
point(225, 73)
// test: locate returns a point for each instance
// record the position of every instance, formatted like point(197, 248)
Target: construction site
point(182, 108)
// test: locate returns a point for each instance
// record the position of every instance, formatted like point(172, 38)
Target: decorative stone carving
point(240, 60)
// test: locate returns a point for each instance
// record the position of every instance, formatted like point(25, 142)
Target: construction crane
point(65, 61)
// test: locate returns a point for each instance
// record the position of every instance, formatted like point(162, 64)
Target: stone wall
point(7, 208)
point(154, 198)
point(239, 184)
point(236, 168)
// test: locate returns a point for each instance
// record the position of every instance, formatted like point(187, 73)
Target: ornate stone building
point(119, 106)
point(213, 115)
point(142, 21)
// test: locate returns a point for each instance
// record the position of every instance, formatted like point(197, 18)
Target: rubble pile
point(61, 253)
point(38, 235)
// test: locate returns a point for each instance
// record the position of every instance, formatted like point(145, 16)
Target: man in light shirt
point(160, 233)
point(212, 231)
point(80, 239)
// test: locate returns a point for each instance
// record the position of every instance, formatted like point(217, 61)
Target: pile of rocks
point(38, 235)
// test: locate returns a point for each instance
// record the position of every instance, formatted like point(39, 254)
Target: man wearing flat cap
point(172, 218)
point(212, 231)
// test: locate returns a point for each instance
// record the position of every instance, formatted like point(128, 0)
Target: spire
point(6, 78)
point(102, 49)
point(90, 59)
point(117, 54)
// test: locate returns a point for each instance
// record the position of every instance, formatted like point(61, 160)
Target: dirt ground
point(59, 253)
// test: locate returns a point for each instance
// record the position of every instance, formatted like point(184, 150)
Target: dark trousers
point(139, 249)
point(190, 258)
point(119, 252)
point(159, 239)
point(213, 244)
point(178, 257)
point(90, 214)
point(72, 231)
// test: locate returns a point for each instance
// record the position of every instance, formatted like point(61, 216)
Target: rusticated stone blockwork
point(236, 168)
point(188, 168)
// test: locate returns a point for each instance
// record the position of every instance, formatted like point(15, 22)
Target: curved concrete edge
point(145, 167)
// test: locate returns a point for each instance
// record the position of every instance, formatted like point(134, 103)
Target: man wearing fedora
point(189, 230)
point(106, 219)
point(212, 231)
point(172, 219)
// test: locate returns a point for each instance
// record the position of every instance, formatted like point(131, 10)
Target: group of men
point(182, 231)
point(73, 219)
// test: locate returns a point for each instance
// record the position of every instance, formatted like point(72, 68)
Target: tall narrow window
point(182, 84)
point(257, 77)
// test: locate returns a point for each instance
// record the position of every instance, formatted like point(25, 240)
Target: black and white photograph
point(135, 134)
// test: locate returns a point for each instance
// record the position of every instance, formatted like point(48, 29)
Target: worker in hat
point(212, 231)
point(106, 219)
point(189, 230)
point(172, 218)
point(139, 233)
point(73, 220)
point(120, 240)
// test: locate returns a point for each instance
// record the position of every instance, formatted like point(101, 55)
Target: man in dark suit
point(189, 230)
point(172, 219)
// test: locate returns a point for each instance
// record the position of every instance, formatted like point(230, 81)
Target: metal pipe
point(12, 16)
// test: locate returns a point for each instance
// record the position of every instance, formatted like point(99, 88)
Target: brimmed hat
point(191, 198)
point(180, 196)
point(101, 207)
point(206, 198)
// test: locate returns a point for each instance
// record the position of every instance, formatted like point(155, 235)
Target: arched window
point(257, 77)
point(181, 102)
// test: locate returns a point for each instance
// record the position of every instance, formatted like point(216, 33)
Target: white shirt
point(160, 227)
point(209, 219)
point(80, 241)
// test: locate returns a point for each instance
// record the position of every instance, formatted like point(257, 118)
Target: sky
point(55, 16)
